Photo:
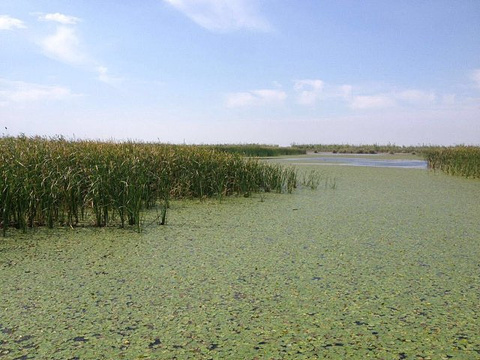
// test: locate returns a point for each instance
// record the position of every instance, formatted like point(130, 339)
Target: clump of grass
point(330, 183)
point(313, 178)
point(48, 182)
point(458, 160)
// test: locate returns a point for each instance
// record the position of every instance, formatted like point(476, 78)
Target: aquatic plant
point(312, 179)
point(44, 182)
point(258, 150)
point(458, 160)
point(330, 183)
point(361, 149)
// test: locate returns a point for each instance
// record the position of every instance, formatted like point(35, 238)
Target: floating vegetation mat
point(386, 265)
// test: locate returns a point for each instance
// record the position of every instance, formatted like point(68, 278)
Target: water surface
point(386, 266)
point(361, 161)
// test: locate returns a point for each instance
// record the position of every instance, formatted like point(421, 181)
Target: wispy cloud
point(414, 96)
point(363, 102)
point(223, 15)
point(403, 98)
point(312, 91)
point(60, 18)
point(104, 76)
point(8, 23)
point(255, 98)
point(345, 91)
point(65, 45)
point(308, 91)
point(21, 92)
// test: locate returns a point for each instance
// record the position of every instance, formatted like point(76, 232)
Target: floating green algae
point(384, 266)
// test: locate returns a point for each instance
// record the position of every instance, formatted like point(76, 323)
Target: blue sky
point(242, 71)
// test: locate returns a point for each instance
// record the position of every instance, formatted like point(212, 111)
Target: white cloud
point(60, 18)
point(20, 92)
point(223, 15)
point(8, 23)
point(416, 96)
point(314, 84)
point(476, 77)
point(255, 98)
point(372, 102)
point(345, 91)
point(404, 98)
point(104, 76)
point(308, 90)
point(270, 95)
point(64, 45)
point(240, 99)
point(103, 73)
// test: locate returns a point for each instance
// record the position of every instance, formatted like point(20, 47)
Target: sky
point(242, 71)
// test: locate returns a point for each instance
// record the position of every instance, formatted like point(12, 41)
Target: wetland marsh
point(384, 266)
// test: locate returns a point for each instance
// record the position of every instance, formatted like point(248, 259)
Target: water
point(385, 264)
point(393, 163)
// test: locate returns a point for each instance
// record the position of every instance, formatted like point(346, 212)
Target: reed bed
point(258, 150)
point(459, 160)
point(49, 182)
point(361, 149)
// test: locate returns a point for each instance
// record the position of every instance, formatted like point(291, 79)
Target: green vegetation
point(455, 160)
point(312, 179)
point(384, 267)
point(459, 160)
point(258, 150)
point(44, 182)
point(361, 149)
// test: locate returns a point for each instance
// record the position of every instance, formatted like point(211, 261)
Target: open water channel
point(361, 161)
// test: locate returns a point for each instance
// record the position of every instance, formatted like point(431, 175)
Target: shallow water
point(362, 161)
point(385, 266)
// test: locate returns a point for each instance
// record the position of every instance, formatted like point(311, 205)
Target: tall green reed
point(458, 160)
point(258, 150)
point(49, 182)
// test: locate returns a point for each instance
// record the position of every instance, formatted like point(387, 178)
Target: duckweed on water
point(385, 266)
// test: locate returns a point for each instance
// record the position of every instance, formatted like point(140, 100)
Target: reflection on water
point(395, 163)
